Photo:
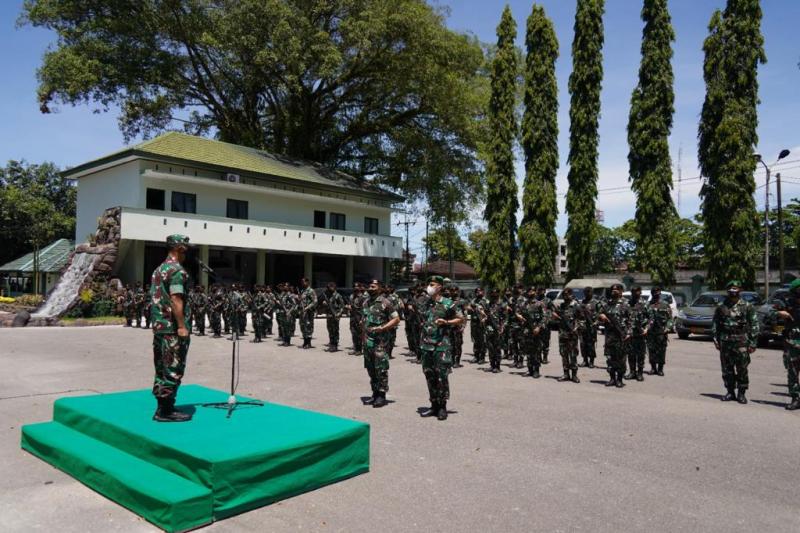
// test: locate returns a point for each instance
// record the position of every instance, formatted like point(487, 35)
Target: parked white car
point(665, 296)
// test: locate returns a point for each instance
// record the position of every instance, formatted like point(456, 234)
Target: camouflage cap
point(178, 240)
point(733, 283)
point(794, 284)
point(436, 279)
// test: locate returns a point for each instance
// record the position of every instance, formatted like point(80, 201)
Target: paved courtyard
point(516, 454)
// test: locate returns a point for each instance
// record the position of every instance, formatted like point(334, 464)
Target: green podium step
point(169, 501)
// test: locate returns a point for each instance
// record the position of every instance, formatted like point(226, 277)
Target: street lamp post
point(783, 154)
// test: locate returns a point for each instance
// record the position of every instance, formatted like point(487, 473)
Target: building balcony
point(153, 225)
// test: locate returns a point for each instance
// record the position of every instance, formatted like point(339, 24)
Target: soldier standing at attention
point(168, 288)
point(199, 305)
point(791, 350)
point(494, 316)
point(476, 327)
point(457, 333)
point(735, 331)
point(660, 314)
point(534, 313)
point(637, 347)
point(410, 317)
point(148, 305)
point(568, 315)
point(380, 317)
point(216, 302)
point(128, 306)
point(616, 315)
point(421, 303)
point(284, 310)
point(269, 309)
point(139, 298)
point(548, 305)
point(589, 308)
point(308, 309)
point(398, 305)
point(226, 310)
point(437, 358)
point(355, 319)
point(335, 304)
point(257, 313)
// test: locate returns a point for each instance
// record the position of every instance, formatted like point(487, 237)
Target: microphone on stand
point(205, 267)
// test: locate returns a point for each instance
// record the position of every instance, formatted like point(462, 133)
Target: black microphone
point(205, 267)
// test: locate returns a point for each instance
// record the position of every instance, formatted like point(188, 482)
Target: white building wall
point(111, 187)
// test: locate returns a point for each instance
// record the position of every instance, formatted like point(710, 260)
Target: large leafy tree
point(537, 233)
point(444, 241)
point(585, 84)
point(377, 88)
point(498, 249)
point(649, 126)
point(727, 133)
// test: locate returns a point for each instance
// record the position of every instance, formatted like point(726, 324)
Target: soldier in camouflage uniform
point(148, 305)
point(335, 305)
point(735, 330)
point(515, 326)
point(791, 336)
point(356, 301)
point(244, 307)
point(380, 316)
point(226, 310)
point(169, 287)
point(535, 316)
point(216, 304)
point(139, 299)
point(410, 317)
point(568, 316)
point(457, 333)
point(283, 311)
point(494, 324)
point(421, 303)
point(616, 315)
point(476, 326)
point(437, 358)
point(660, 314)
point(199, 306)
point(588, 332)
point(390, 294)
point(637, 347)
point(269, 310)
point(307, 312)
point(128, 306)
point(257, 311)
point(294, 298)
point(548, 304)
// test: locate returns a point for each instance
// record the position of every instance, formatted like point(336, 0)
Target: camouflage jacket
point(139, 297)
point(308, 300)
point(660, 317)
point(356, 303)
point(735, 323)
point(640, 317)
point(569, 315)
point(435, 337)
point(589, 311)
point(334, 302)
point(495, 316)
point(377, 311)
point(169, 278)
point(199, 302)
point(421, 303)
point(260, 302)
point(619, 315)
point(515, 304)
point(284, 304)
point(535, 314)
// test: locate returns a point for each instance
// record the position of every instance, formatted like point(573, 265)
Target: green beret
point(436, 279)
point(733, 283)
point(178, 239)
point(794, 284)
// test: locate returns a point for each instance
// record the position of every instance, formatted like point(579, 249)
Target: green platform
point(182, 475)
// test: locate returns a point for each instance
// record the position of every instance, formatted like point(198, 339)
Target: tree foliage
point(649, 126)
point(498, 250)
point(376, 88)
point(36, 207)
point(537, 233)
point(727, 133)
point(584, 87)
point(441, 240)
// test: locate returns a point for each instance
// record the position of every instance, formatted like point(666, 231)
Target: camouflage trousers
point(791, 360)
point(436, 365)
point(258, 324)
point(478, 339)
point(657, 348)
point(169, 360)
point(226, 322)
point(200, 321)
point(493, 340)
point(139, 314)
point(355, 331)
point(392, 337)
point(616, 351)
point(637, 348)
point(333, 330)
point(376, 361)
point(215, 319)
point(456, 343)
point(268, 323)
point(546, 341)
point(307, 324)
point(513, 338)
point(588, 344)
point(412, 337)
point(568, 348)
point(734, 360)
point(130, 315)
point(532, 346)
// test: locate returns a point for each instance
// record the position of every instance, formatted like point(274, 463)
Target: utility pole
point(766, 238)
point(407, 223)
point(780, 227)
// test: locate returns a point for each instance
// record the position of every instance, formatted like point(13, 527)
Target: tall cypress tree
point(498, 250)
point(537, 234)
point(649, 126)
point(726, 135)
point(584, 86)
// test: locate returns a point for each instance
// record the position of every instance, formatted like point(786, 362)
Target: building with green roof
point(257, 217)
point(17, 276)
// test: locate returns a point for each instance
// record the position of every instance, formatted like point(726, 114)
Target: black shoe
point(630, 375)
point(433, 410)
point(565, 377)
point(653, 370)
point(741, 398)
point(660, 370)
point(536, 374)
point(639, 376)
point(545, 361)
point(729, 397)
point(495, 370)
point(442, 414)
point(591, 363)
point(166, 412)
point(794, 405)
point(612, 380)
point(619, 383)
point(380, 400)
point(575, 377)
point(371, 400)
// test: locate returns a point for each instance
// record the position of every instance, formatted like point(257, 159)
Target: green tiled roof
point(52, 258)
point(191, 148)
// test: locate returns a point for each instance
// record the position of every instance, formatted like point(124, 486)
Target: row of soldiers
point(134, 302)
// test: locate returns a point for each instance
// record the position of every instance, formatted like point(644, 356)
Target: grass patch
point(94, 321)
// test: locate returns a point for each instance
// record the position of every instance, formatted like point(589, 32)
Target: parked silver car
point(696, 318)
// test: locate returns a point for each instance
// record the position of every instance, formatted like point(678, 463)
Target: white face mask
point(432, 290)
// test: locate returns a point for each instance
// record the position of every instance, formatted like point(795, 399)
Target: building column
point(271, 269)
point(204, 259)
point(386, 270)
point(308, 266)
point(138, 262)
point(348, 271)
point(261, 265)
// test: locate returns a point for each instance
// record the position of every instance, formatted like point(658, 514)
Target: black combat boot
point(442, 414)
point(371, 400)
point(632, 373)
point(619, 383)
point(640, 374)
point(535, 374)
point(565, 377)
point(584, 363)
point(612, 379)
point(433, 410)
point(741, 398)
point(575, 376)
point(729, 397)
point(653, 369)
point(660, 370)
point(380, 400)
point(165, 412)
point(794, 405)
point(544, 360)
point(591, 362)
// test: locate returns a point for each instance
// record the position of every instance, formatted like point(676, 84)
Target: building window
point(155, 199)
point(319, 219)
point(237, 209)
point(184, 202)
point(371, 225)
point(337, 221)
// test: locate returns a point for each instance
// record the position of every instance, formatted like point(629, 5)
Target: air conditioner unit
point(233, 178)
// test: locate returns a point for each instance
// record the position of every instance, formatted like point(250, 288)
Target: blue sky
point(74, 135)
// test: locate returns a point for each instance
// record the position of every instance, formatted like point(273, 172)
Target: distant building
point(561, 264)
point(17, 276)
